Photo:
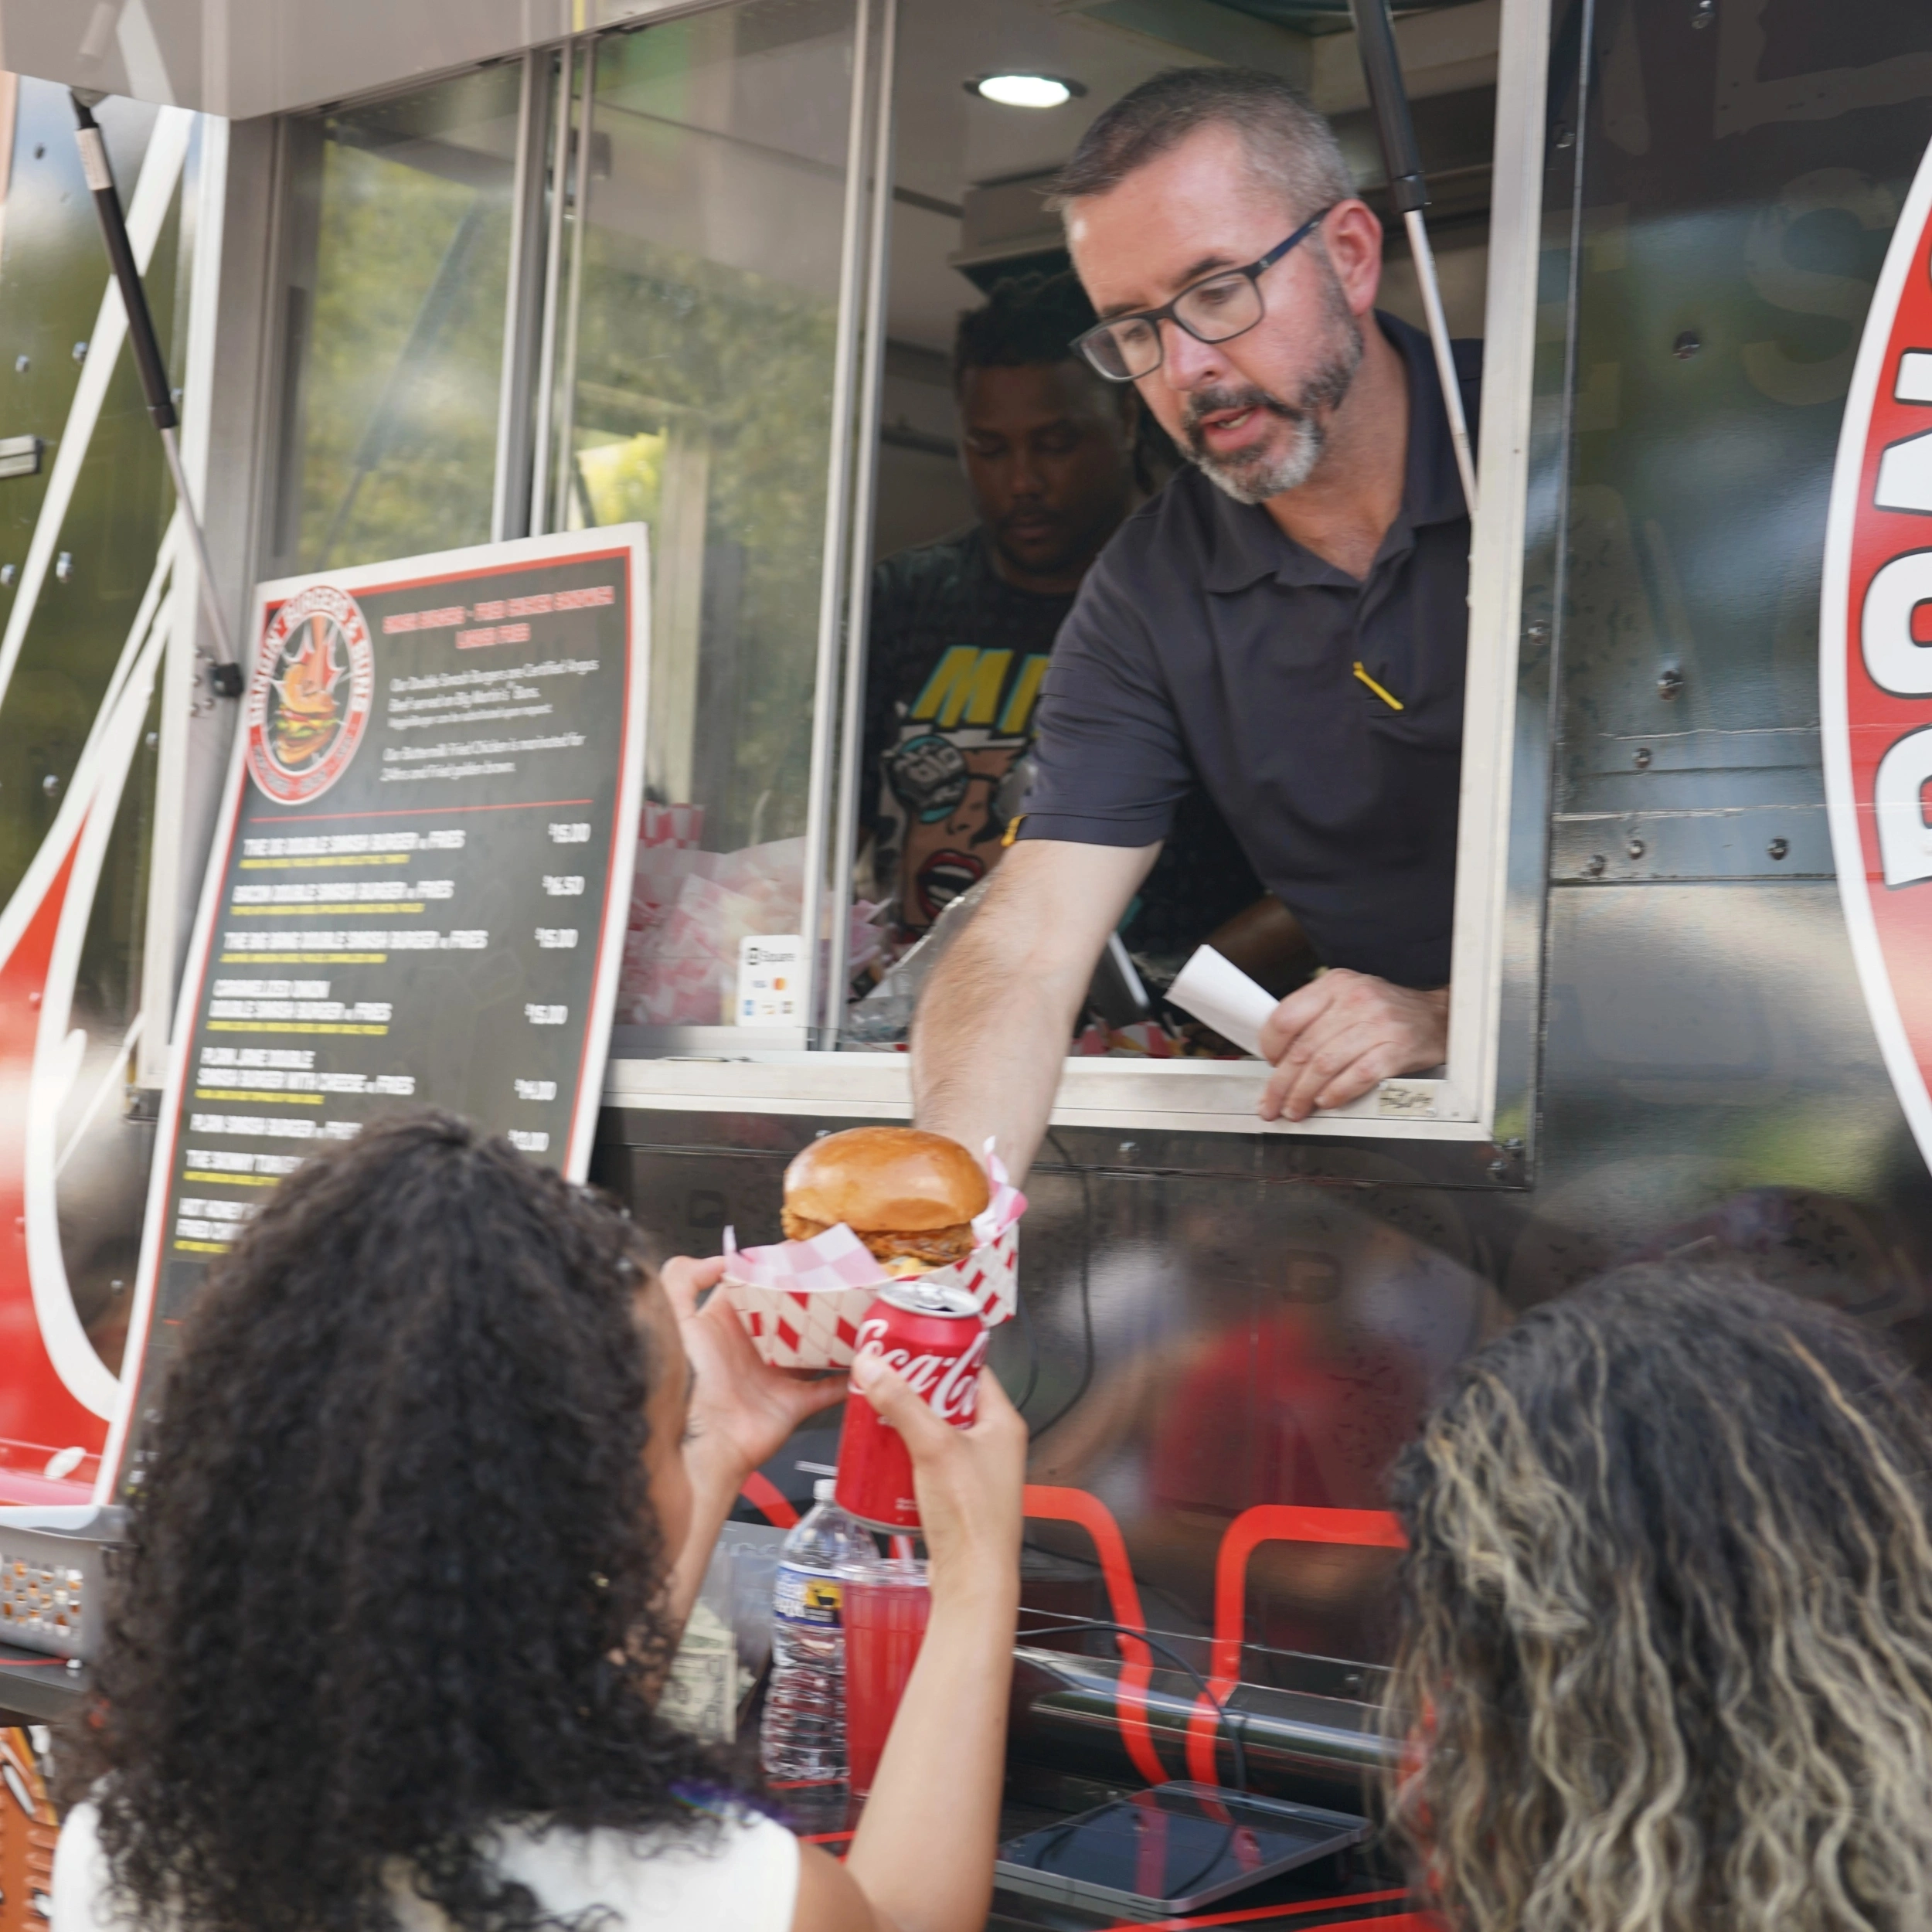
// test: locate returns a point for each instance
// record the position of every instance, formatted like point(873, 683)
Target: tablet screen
point(1175, 1843)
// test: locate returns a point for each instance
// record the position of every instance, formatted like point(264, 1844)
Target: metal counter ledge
point(36, 1689)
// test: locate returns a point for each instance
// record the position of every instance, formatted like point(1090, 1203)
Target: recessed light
point(1024, 90)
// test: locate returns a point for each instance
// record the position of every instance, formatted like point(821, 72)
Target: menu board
point(418, 889)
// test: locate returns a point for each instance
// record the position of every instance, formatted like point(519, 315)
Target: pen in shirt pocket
point(1387, 697)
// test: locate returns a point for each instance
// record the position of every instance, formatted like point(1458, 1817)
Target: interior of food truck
point(971, 174)
point(975, 151)
point(708, 273)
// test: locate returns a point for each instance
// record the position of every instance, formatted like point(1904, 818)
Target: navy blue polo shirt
point(1206, 648)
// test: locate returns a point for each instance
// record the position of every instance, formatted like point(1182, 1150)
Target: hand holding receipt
point(1328, 1042)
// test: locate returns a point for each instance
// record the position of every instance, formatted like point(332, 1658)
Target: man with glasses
point(961, 631)
point(1283, 626)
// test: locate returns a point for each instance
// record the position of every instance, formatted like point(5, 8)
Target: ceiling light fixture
point(1024, 90)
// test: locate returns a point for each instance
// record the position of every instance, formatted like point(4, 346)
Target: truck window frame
point(1482, 1095)
point(1484, 1092)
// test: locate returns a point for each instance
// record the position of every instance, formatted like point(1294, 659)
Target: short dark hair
point(1291, 144)
point(395, 1576)
point(1026, 319)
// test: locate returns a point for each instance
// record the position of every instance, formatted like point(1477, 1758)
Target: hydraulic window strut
point(226, 674)
point(1376, 37)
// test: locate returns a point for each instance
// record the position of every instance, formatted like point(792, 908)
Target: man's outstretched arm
point(991, 1035)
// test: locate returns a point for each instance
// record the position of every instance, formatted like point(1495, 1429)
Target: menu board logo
point(309, 704)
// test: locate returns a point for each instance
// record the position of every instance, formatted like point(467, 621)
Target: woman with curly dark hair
point(1666, 1660)
point(439, 1469)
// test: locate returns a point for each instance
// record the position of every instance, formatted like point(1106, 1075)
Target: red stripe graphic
point(38, 1415)
point(1269, 1522)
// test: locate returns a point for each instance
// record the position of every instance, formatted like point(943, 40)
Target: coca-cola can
point(934, 1338)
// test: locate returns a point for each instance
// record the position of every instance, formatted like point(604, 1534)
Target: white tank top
point(744, 1878)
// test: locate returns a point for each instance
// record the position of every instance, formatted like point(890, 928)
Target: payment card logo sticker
point(1875, 659)
point(309, 704)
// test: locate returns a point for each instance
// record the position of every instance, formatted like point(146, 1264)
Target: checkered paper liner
point(802, 1301)
point(681, 827)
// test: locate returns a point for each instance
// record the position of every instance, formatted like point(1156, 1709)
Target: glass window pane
point(697, 396)
point(401, 223)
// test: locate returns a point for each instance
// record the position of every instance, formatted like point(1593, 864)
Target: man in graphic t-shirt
point(962, 629)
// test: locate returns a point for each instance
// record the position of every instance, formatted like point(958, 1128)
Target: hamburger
point(909, 1195)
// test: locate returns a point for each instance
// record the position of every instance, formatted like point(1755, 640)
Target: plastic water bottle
point(804, 1734)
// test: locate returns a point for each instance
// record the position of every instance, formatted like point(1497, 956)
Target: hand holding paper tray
point(1216, 991)
point(802, 1301)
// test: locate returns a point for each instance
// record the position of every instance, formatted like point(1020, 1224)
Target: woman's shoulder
point(81, 1902)
point(739, 1875)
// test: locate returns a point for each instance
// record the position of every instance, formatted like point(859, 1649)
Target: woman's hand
point(946, 1754)
point(969, 1481)
point(742, 1410)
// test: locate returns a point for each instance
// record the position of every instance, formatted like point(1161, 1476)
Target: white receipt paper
point(1214, 989)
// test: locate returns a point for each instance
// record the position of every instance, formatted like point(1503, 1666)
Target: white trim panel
point(1177, 1095)
point(1496, 560)
point(180, 673)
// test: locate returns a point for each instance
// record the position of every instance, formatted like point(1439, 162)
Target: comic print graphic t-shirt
point(956, 656)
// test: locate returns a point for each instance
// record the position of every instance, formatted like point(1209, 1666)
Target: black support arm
point(225, 675)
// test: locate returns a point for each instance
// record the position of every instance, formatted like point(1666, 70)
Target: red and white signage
point(1874, 659)
point(308, 702)
point(56, 1393)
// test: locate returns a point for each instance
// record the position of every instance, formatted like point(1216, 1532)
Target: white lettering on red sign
point(1874, 659)
point(400, 622)
point(949, 1383)
point(493, 634)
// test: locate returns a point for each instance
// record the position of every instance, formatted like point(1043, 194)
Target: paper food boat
point(802, 1301)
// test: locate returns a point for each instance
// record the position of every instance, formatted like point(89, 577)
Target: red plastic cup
point(886, 1607)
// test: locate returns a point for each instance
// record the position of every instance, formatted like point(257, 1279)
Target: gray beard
point(1254, 478)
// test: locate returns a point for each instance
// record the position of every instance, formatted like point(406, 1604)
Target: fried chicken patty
point(935, 1246)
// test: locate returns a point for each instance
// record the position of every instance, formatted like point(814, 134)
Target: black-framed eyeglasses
point(1216, 309)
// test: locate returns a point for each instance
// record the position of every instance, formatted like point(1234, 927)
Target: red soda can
point(934, 1337)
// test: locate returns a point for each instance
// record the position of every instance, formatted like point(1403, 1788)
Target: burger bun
point(909, 1195)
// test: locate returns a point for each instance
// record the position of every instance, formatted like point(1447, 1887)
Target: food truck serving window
point(709, 273)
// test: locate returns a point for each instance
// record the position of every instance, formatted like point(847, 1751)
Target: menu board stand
point(418, 890)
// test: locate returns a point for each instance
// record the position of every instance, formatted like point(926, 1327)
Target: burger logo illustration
point(309, 703)
point(306, 718)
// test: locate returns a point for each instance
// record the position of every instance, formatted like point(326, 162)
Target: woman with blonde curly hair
point(1666, 1656)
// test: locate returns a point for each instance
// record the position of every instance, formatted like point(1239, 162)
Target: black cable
point(1087, 1306)
point(1032, 1350)
point(1223, 1718)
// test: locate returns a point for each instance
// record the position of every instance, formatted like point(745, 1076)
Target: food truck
point(432, 279)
